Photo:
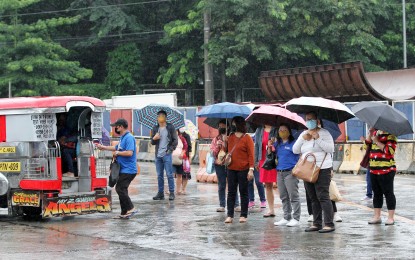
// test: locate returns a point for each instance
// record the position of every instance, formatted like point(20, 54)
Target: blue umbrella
point(224, 110)
point(333, 128)
point(147, 116)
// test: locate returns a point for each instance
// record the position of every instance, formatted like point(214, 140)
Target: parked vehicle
point(31, 181)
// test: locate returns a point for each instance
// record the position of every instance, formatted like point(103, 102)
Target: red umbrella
point(275, 116)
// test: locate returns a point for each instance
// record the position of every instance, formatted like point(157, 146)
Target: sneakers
point(337, 218)
point(238, 209)
point(159, 196)
point(171, 196)
point(282, 222)
point(366, 199)
point(293, 223)
point(251, 204)
point(263, 204)
point(220, 209)
point(310, 218)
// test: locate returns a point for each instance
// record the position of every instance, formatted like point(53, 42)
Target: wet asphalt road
point(190, 228)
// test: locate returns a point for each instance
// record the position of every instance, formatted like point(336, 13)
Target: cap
point(120, 121)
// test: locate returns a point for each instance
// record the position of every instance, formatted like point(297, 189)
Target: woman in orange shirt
point(241, 169)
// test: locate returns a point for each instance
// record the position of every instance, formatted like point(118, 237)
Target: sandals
point(375, 221)
point(312, 229)
point(269, 215)
point(228, 220)
point(242, 220)
point(390, 223)
point(326, 229)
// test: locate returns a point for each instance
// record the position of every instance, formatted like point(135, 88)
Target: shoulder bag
point(228, 158)
point(307, 170)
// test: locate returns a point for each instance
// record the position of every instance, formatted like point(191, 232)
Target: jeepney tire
point(3, 201)
point(32, 212)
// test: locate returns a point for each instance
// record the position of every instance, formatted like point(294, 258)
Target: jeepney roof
point(43, 104)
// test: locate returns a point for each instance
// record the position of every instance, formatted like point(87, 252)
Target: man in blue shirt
point(125, 151)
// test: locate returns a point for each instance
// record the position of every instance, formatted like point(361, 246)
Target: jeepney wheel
point(3, 201)
point(32, 212)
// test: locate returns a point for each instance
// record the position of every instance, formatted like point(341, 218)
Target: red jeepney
point(31, 181)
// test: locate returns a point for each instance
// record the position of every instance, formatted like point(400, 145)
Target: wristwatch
point(251, 168)
point(116, 152)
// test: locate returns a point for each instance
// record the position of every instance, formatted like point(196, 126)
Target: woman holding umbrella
point(264, 137)
point(319, 142)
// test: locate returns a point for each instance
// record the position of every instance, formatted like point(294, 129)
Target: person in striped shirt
point(382, 173)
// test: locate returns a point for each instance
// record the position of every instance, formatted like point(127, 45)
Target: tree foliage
point(29, 59)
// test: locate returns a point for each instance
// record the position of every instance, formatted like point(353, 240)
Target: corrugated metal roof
point(345, 82)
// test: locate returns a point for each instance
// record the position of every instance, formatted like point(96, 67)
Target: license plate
point(10, 166)
point(8, 149)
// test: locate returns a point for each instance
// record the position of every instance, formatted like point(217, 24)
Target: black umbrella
point(213, 122)
point(383, 117)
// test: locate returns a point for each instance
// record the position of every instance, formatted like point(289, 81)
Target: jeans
point(383, 185)
point(222, 176)
point(235, 179)
point(259, 186)
point(121, 188)
point(368, 184)
point(165, 163)
point(320, 199)
point(67, 159)
point(288, 187)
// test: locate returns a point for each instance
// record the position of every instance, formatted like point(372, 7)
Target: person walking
point(241, 168)
point(178, 171)
point(218, 148)
point(319, 142)
point(263, 138)
point(164, 137)
point(125, 151)
point(287, 183)
point(382, 173)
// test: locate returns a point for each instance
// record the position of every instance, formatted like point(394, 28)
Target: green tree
point(124, 69)
point(29, 58)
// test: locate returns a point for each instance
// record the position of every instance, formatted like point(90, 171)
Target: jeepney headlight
point(4, 184)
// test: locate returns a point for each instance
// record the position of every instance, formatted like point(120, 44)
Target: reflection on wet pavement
point(190, 228)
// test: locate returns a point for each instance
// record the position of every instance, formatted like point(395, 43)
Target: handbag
point(210, 163)
point(269, 163)
point(334, 192)
point(228, 158)
point(177, 153)
point(221, 157)
point(365, 161)
point(114, 172)
point(307, 170)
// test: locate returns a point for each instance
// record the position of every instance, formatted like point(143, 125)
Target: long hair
point(240, 124)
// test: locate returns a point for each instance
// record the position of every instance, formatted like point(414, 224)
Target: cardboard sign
point(96, 124)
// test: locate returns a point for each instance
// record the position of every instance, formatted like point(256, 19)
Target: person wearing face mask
point(125, 151)
point(164, 137)
point(319, 142)
point(218, 148)
point(241, 168)
point(264, 136)
point(287, 183)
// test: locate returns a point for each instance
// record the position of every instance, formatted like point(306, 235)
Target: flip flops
point(269, 215)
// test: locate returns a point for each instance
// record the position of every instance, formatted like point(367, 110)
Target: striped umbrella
point(147, 116)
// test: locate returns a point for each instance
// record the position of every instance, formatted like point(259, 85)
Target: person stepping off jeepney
point(125, 151)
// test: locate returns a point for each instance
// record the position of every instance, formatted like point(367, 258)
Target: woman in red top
point(263, 138)
point(241, 169)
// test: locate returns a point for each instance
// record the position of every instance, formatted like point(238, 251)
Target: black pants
point(122, 190)
point(236, 178)
point(383, 185)
point(320, 199)
point(310, 206)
